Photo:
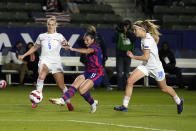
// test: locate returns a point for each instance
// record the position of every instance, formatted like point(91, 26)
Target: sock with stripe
point(69, 93)
point(88, 98)
point(64, 90)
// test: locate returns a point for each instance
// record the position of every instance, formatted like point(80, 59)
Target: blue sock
point(69, 93)
point(88, 98)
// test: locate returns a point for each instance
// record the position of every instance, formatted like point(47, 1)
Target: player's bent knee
point(130, 81)
point(81, 91)
point(80, 78)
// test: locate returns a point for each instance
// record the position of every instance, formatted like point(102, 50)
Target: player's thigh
point(43, 72)
point(78, 81)
point(85, 86)
point(135, 76)
point(59, 78)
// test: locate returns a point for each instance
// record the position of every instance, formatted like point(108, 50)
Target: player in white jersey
point(151, 65)
point(50, 60)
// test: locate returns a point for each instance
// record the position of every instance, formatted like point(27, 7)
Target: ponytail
point(148, 26)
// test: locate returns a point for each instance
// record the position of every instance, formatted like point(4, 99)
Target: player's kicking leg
point(66, 96)
point(59, 77)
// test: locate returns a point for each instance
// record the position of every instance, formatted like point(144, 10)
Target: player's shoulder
point(94, 45)
point(58, 34)
point(42, 35)
point(148, 38)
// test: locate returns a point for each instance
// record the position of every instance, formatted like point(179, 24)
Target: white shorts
point(52, 67)
point(158, 73)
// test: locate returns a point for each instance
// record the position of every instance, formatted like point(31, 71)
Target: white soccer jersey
point(149, 43)
point(50, 47)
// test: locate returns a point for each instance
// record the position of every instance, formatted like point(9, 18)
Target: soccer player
point(91, 77)
point(50, 60)
point(151, 65)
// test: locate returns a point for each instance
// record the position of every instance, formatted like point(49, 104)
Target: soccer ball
point(2, 84)
point(35, 96)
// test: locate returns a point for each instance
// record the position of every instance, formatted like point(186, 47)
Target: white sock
point(64, 90)
point(40, 84)
point(126, 101)
point(177, 99)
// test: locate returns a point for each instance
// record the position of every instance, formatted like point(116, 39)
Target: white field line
point(89, 122)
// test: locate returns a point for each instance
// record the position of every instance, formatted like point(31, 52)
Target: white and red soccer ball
point(2, 84)
point(35, 96)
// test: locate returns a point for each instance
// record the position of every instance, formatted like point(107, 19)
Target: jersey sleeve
point(62, 38)
point(147, 44)
point(38, 41)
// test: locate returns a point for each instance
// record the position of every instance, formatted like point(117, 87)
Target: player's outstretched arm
point(33, 49)
point(81, 50)
point(84, 51)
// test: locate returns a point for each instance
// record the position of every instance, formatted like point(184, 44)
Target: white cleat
point(94, 106)
point(57, 101)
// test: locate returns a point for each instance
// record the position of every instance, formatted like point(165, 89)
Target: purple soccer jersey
point(94, 65)
point(94, 60)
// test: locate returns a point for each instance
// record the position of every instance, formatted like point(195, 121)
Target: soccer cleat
point(180, 106)
point(121, 108)
point(34, 105)
point(94, 106)
point(70, 107)
point(57, 101)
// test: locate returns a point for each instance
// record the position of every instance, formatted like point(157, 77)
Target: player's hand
point(65, 43)
point(68, 48)
point(21, 57)
point(130, 54)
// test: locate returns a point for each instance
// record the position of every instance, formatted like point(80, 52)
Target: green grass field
point(149, 109)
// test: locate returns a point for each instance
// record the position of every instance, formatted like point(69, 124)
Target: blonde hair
point(91, 28)
point(149, 26)
point(53, 18)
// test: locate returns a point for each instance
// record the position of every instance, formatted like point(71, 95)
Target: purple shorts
point(95, 77)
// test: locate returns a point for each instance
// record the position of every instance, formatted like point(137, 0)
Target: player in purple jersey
point(92, 76)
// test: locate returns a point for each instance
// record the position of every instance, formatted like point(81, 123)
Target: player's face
point(88, 40)
point(137, 31)
point(51, 26)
